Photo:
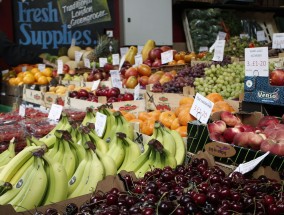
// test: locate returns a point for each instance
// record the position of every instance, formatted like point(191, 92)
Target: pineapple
point(102, 48)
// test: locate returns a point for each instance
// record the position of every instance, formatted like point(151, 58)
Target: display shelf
point(272, 110)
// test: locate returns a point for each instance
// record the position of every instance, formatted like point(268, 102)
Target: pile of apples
point(112, 94)
point(268, 135)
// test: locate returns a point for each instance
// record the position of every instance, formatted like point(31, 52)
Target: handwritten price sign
point(256, 61)
point(278, 41)
point(201, 108)
point(219, 50)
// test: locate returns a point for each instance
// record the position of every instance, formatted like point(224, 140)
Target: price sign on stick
point(201, 108)
point(102, 61)
point(96, 84)
point(219, 50)
point(115, 79)
point(115, 59)
point(222, 35)
point(100, 123)
point(22, 110)
point(41, 67)
point(78, 56)
point(260, 36)
point(278, 41)
point(123, 51)
point(87, 63)
point(167, 56)
point(256, 61)
point(138, 59)
point(55, 112)
point(137, 92)
point(59, 67)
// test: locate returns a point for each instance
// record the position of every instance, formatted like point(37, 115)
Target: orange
point(182, 130)
point(12, 81)
point(186, 100)
point(18, 80)
point(37, 75)
point(47, 72)
point(184, 117)
point(29, 79)
point(180, 62)
point(215, 97)
point(34, 70)
point(42, 80)
point(175, 124)
point(21, 74)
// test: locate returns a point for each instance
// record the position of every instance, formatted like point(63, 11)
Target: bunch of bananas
point(72, 159)
point(165, 148)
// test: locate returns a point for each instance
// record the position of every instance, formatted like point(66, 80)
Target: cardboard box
point(198, 140)
point(129, 106)
point(51, 98)
point(103, 186)
point(33, 96)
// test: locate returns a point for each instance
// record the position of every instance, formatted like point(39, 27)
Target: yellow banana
point(168, 140)
point(57, 181)
point(69, 159)
point(116, 151)
point(108, 163)
point(180, 154)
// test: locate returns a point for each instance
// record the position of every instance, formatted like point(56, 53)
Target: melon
point(72, 64)
point(81, 64)
point(72, 50)
point(64, 59)
point(86, 53)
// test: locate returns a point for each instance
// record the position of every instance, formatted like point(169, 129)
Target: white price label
point(121, 62)
point(22, 110)
point(59, 67)
point(244, 36)
point(219, 50)
point(203, 49)
point(96, 84)
point(139, 49)
point(115, 59)
point(278, 41)
point(256, 61)
point(201, 108)
point(115, 79)
point(55, 112)
point(100, 123)
point(138, 59)
point(102, 61)
point(41, 67)
point(24, 68)
point(248, 166)
point(123, 51)
point(87, 63)
point(222, 35)
point(137, 92)
point(4, 71)
point(78, 56)
point(260, 36)
point(167, 56)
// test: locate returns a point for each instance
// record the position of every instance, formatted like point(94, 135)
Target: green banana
point(90, 117)
point(168, 140)
point(116, 151)
point(148, 165)
point(8, 154)
point(108, 163)
point(180, 154)
point(69, 159)
point(110, 123)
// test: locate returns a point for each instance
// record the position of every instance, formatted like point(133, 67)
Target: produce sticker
point(256, 62)
point(201, 108)
point(278, 41)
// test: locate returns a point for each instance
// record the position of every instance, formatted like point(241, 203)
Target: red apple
point(148, 62)
point(66, 69)
point(107, 67)
point(229, 118)
point(154, 78)
point(83, 93)
point(155, 53)
point(143, 80)
point(246, 128)
point(277, 77)
point(113, 92)
point(157, 63)
point(54, 73)
point(73, 94)
point(112, 99)
point(230, 133)
point(248, 139)
point(165, 48)
point(218, 126)
point(273, 146)
point(131, 71)
point(217, 137)
point(128, 97)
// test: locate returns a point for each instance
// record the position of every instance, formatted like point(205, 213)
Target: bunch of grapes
point(227, 80)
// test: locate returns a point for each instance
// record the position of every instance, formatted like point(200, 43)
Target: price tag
point(201, 108)
point(121, 62)
point(260, 36)
point(219, 50)
point(167, 56)
point(59, 67)
point(87, 63)
point(222, 35)
point(73, 42)
point(4, 71)
point(244, 36)
point(278, 41)
point(78, 56)
point(96, 84)
point(248, 166)
point(115, 79)
point(55, 112)
point(139, 49)
point(203, 49)
point(100, 123)
point(137, 92)
point(138, 59)
point(123, 51)
point(24, 68)
point(102, 61)
point(22, 110)
point(115, 59)
point(41, 67)
point(256, 61)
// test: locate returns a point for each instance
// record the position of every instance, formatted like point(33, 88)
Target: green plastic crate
point(5, 109)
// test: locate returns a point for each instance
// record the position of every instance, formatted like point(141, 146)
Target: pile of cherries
point(193, 189)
